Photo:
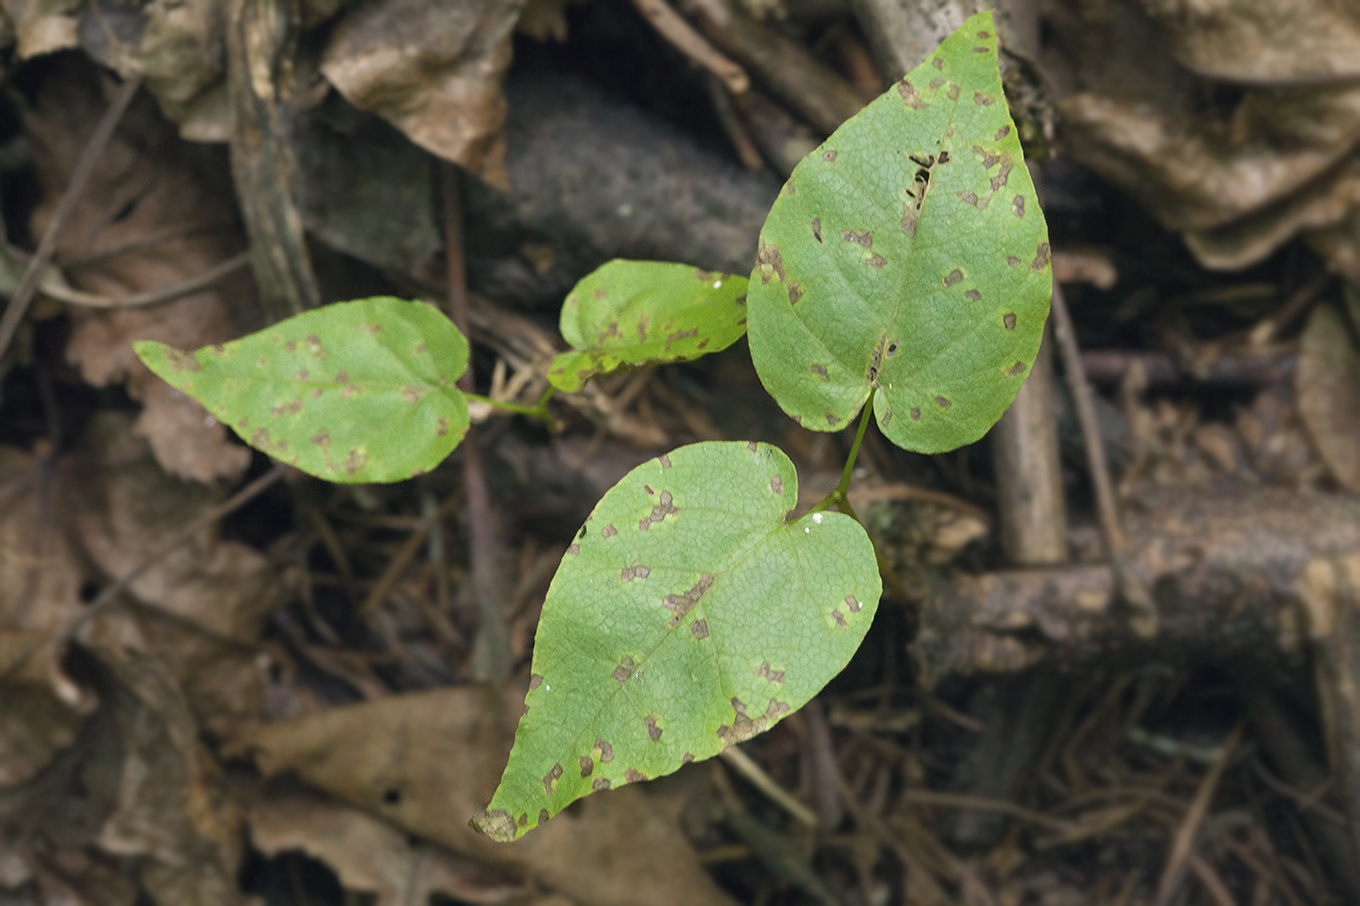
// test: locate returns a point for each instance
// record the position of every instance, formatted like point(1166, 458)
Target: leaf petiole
point(840, 497)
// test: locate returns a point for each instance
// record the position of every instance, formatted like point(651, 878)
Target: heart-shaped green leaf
point(686, 616)
point(354, 392)
point(908, 253)
point(646, 313)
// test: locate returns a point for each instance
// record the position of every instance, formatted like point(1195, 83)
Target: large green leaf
point(686, 616)
point(646, 313)
point(908, 253)
point(353, 392)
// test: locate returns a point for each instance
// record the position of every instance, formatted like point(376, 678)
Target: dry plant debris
point(279, 709)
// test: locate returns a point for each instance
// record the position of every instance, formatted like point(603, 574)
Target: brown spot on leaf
point(682, 335)
point(829, 155)
point(260, 438)
point(1002, 133)
point(355, 461)
point(769, 262)
point(887, 413)
point(788, 188)
point(853, 604)
point(181, 360)
point(303, 374)
point(953, 277)
point(633, 775)
point(665, 460)
point(839, 619)
point(817, 228)
point(910, 96)
point(969, 198)
point(290, 346)
point(1012, 260)
point(550, 779)
point(953, 95)
point(350, 391)
point(751, 445)
point(599, 784)
point(442, 426)
point(290, 408)
point(973, 295)
point(910, 215)
point(535, 680)
point(543, 816)
point(859, 237)
point(653, 731)
point(629, 573)
point(219, 349)
point(777, 484)
point(876, 261)
point(587, 765)
point(643, 323)
point(983, 100)
point(410, 394)
point(795, 292)
point(820, 371)
point(573, 548)
point(660, 511)
point(915, 414)
point(1008, 319)
point(343, 376)
point(942, 402)
point(765, 671)
point(624, 670)
point(937, 83)
point(322, 438)
point(421, 349)
point(603, 751)
point(1042, 254)
point(1018, 206)
point(1016, 370)
point(1003, 175)
point(984, 35)
point(699, 629)
point(373, 328)
point(608, 531)
point(683, 604)
point(831, 418)
point(599, 293)
point(982, 50)
point(937, 62)
point(648, 489)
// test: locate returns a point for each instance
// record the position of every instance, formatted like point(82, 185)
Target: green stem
point(540, 411)
point(840, 497)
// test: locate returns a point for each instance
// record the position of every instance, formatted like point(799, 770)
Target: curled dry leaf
point(1247, 174)
point(433, 69)
point(425, 761)
point(1328, 386)
point(154, 189)
point(369, 855)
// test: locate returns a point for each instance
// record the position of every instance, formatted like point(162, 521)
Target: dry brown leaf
point(1328, 387)
point(369, 855)
point(121, 505)
point(1241, 174)
point(426, 761)
point(168, 803)
point(149, 184)
point(433, 69)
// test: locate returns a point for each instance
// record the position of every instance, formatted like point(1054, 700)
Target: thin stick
point(23, 295)
point(766, 784)
point(1131, 589)
point(1183, 847)
point(404, 555)
point(692, 44)
point(154, 297)
point(176, 538)
point(491, 656)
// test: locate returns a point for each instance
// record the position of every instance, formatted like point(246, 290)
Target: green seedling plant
point(902, 274)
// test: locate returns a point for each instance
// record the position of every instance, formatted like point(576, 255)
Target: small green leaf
point(908, 253)
point(686, 616)
point(646, 313)
point(354, 392)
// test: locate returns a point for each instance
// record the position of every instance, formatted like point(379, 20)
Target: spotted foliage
point(696, 624)
point(646, 313)
point(353, 392)
point(908, 254)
